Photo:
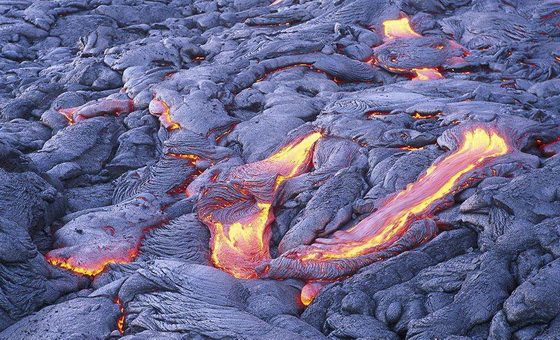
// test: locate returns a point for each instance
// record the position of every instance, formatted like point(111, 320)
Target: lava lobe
point(407, 52)
point(399, 223)
point(238, 207)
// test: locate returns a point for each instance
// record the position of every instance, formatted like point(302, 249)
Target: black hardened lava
point(279, 169)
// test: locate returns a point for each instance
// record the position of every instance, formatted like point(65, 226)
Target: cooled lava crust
point(288, 169)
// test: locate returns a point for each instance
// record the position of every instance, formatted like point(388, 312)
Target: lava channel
point(238, 208)
point(403, 219)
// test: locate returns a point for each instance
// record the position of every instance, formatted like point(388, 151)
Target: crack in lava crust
point(237, 209)
point(397, 224)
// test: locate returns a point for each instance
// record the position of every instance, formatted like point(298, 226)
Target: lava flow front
point(380, 235)
point(107, 106)
point(407, 52)
point(237, 209)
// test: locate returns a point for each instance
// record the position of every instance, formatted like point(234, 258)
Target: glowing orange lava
point(426, 74)
point(96, 109)
point(419, 116)
point(310, 291)
point(420, 198)
point(160, 109)
point(68, 114)
point(392, 56)
point(399, 28)
point(86, 269)
point(121, 318)
point(410, 148)
point(94, 264)
point(238, 245)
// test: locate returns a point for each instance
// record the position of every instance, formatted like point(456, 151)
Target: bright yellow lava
point(239, 247)
point(399, 28)
point(420, 198)
point(426, 74)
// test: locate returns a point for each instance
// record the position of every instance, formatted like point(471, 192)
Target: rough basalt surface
point(129, 128)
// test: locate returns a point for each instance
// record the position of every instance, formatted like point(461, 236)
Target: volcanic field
point(289, 169)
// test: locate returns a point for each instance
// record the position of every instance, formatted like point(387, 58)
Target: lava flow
point(96, 109)
point(407, 52)
point(160, 109)
point(64, 263)
point(90, 242)
point(426, 74)
point(399, 223)
point(399, 28)
point(237, 209)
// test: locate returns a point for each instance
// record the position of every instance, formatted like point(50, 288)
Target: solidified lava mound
point(289, 169)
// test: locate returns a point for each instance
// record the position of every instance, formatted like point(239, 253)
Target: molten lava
point(95, 264)
point(399, 28)
point(426, 74)
point(122, 316)
point(407, 52)
point(425, 116)
point(418, 200)
point(238, 212)
point(97, 108)
point(550, 149)
point(89, 269)
point(402, 221)
point(160, 109)
point(90, 242)
point(310, 291)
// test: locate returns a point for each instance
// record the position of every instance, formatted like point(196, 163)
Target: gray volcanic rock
point(88, 146)
point(122, 122)
point(328, 210)
point(68, 320)
point(28, 281)
point(29, 200)
point(210, 302)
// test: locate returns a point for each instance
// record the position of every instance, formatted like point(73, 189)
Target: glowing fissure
point(239, 246)
point(419, 199)
point(122, 316)
point(97, 108)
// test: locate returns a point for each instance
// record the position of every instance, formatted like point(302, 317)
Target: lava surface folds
point(238, 207)
point(407, 52)
point(376, 236)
